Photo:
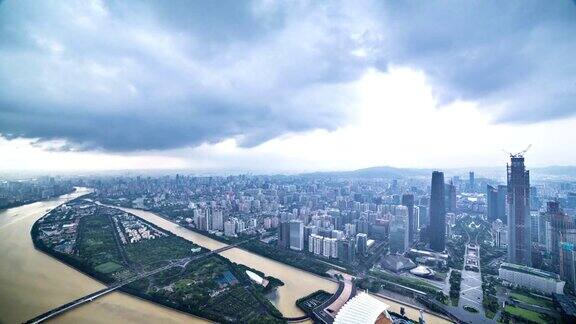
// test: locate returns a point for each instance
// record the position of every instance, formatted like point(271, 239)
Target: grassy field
point(532, 300)
point(525, 313)
point(108, 267)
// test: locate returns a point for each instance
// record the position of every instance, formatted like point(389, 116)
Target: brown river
point(32, 282)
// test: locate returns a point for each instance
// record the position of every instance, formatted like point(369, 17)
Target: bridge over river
point(88, 298)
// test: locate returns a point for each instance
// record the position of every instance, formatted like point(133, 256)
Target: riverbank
point(114, 247)
point(32, 201)
point(32, 282)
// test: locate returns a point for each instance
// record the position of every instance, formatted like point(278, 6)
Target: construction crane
point(519, 154)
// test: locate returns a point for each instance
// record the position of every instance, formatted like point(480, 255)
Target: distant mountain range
point(386, 172)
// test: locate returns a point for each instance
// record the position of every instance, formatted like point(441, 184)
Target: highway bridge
point(88, 298)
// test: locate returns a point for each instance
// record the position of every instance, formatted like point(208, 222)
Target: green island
point(113, 246)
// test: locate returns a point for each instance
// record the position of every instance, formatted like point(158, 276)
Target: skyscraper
point(398, 233)
point(450, 197)
point(408, 201)
point(560, 223)
point(437, 213)
point(296, 235)
point(491, 203)
point(471, 182)
point(346, 251)
point(361, 243)
point(284, 234)
point(519, 242)
point(501, 209)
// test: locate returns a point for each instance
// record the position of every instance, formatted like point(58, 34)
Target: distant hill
point(555, 170)
point(386, 172)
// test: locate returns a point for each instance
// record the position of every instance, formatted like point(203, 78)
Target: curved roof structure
point(421, 271)
point(361, 309)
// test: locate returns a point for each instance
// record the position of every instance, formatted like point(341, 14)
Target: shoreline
point(20, 204)
point(104, 284)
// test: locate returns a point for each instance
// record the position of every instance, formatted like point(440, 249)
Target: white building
point(334, 248)
point(363, 309)
point(229, 228)
point(337, 234)
point(350, 230)
point(531, 278)
point(217, 220)
point(316, 244)
point(326, 247)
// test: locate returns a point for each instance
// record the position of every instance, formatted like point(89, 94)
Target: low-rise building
point(531, 278)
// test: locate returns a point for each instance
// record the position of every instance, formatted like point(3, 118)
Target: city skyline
point(267, 161)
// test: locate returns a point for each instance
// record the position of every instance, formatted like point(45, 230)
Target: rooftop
point(363, 308)
point(529, 270)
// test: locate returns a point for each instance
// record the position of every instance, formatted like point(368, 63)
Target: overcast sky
point(268, 86)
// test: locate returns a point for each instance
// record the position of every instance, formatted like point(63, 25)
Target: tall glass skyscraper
point(519, 242)
point(437, 213)
point(492, 203)
point(408, 201)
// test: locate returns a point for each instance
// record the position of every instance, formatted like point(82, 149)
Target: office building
point(502, 210)
point(423, 216)
point(398, 233)
point(296, 235)
point(519, 232)
point(408, 202)
point(471, 182)
point(437, 226)
point(491, 203)
point(361, 243)
point(451, 197)
point(284, 234)
point(346, 251)
point(562, 239)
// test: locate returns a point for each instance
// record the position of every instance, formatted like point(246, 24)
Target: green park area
point(108, 267)
point(406, 281)
point(532, 300)
point(525, 315)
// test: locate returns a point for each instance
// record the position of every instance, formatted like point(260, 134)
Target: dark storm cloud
point(518, 55)
point(142, 75)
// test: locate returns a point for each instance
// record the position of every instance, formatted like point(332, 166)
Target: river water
point(32, 282)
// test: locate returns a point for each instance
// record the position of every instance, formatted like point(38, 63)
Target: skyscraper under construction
point(519, 242)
